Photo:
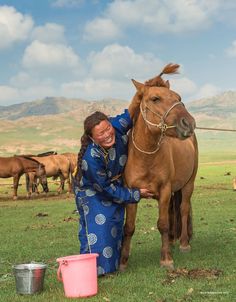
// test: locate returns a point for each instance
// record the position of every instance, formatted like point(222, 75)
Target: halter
point(162, 125)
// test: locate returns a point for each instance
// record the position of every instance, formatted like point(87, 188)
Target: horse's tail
point(175, 222)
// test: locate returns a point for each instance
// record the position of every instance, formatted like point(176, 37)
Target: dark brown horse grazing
point(163, 157)
point(18, 165)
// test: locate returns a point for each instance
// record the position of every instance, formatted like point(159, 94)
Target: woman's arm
point(97, 174)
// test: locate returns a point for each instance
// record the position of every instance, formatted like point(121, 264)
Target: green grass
point(27, 237)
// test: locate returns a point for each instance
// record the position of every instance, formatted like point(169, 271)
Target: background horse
point(72, 157)
point(18, 165)
point(56, 166)
point(163, 157)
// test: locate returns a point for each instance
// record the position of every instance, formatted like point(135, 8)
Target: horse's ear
point(139, 86)
point(167, 84)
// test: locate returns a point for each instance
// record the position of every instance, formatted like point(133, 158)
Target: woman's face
point(104, 134)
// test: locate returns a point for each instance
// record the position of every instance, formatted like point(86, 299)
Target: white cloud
point(57, 56)
point(231, 51)
point(207, 90)
point(155, 16)
point(49, 33)
point(183, 86)
point(8, 95)
point(120, 62)
point(101, 29)
point(14, 26)
point(67, 3)
point(98, 89)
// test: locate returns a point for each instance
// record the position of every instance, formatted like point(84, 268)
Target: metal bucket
point(29, 277)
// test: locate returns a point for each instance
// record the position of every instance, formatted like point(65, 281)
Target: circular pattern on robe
point(94, 153)
point(119, 245)
point(107, 252)
point(112, 153)
point(92, 238)
point(124, 139)
point(114, 231)
point(100, 271)
point(97, 187)
point(109, 173)
point(117, 215)
point(81, 183)
point(123, 122)
point(116, 200)
point(123, 160)
point(86, 209)
point(101, 173)
point(90, 192)
point(100, 219)
point(113, 187)
point(84, 165)
point(136, 195)
point(107, 203)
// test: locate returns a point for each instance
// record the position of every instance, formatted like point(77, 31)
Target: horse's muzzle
point(45, 187)
point(185, 127)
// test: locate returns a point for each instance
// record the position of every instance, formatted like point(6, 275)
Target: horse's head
point(162, 109)
point(41, 174)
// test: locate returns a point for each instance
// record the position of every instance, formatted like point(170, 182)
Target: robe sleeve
point(122, 122)
point(96, 172)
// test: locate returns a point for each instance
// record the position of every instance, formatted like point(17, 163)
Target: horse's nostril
point(184, 123)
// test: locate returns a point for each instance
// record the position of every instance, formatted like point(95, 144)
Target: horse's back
point(9, 166)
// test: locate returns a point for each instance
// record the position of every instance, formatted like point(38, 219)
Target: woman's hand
point(146, 193)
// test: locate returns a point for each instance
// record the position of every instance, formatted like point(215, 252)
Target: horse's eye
point(156, 99)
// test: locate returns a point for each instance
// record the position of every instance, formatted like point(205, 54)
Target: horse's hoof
point(185, 249)
point(168, 264)
point(122, 268)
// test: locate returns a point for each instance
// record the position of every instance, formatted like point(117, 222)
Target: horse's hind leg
point(186, 218)
point(129, 228)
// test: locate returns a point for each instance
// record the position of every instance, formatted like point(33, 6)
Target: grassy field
point(43, 229)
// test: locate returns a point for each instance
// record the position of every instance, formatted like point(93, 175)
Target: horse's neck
point(29, 165)
point(143, 137)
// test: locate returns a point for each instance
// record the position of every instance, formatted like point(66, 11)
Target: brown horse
point(163, 157)
point(18, 165)
point(56, 165)
point(72, 157)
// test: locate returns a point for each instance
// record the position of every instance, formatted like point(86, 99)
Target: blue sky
point(91, 49)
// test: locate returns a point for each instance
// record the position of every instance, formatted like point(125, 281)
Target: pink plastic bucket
point(79, 275)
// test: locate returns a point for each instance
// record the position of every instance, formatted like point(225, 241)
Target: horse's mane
point(47, 153)
point(158, 81)
point(29, 158)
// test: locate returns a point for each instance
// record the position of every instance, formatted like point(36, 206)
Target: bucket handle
point(59, 269)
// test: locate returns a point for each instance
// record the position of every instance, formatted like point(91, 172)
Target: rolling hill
point(57, 123)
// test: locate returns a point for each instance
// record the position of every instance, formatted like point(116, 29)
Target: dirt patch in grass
point(192, 274)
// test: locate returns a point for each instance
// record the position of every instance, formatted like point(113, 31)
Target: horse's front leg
point(163, 227)
point(62, 184)
point(129, 228)
point(16, 179)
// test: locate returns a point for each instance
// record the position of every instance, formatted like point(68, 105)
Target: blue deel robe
point(101, 198)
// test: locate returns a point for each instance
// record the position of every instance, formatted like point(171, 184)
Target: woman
point(100, 192)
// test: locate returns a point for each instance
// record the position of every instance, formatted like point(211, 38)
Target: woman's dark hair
point(89, 123)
